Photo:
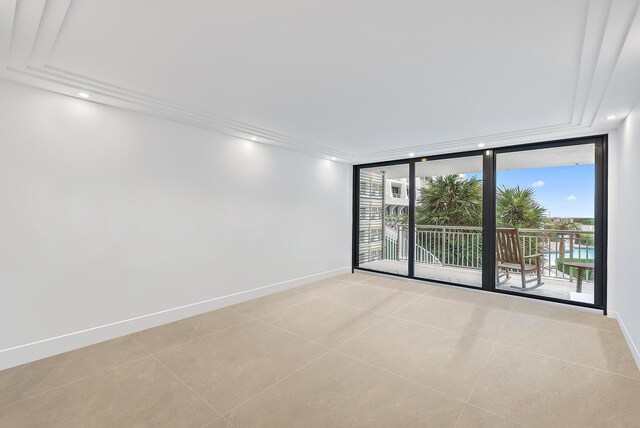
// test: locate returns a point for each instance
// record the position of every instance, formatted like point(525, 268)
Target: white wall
point(627, 238)
point(108, 216)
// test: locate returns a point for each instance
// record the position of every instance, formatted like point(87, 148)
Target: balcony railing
point(461, 246)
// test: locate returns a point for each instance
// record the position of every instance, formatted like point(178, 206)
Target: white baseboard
point(635, 351)
point(28, 352)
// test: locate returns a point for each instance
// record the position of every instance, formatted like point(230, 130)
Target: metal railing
point(559, 244)
point(461, 246)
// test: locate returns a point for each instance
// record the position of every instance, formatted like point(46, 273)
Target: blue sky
point(566, 191)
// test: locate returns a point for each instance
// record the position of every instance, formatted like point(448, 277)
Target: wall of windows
point(525, 219)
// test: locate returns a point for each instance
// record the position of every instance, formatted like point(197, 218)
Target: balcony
point(454, 254)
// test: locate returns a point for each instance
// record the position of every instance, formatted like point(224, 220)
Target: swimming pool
point(578, 253)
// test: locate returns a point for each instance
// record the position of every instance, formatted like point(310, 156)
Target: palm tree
point(451, 201)
point(517, 207)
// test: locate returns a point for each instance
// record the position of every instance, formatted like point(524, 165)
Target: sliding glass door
point(448, 220)
point(545, 216)
point(383, 212)
point(529, 219)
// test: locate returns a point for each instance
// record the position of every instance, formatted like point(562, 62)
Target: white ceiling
point(542, 158)
point(360, 80)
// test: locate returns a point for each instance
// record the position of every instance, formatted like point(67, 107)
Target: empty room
point(319, 213)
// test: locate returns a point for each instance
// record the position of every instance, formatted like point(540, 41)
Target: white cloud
point(538, 183)
point(571, 198)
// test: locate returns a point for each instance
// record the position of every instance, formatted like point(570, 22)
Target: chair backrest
point(508, 248)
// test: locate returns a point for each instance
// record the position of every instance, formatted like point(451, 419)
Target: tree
point(565, 224)
point(450, 201)
point(517, 207)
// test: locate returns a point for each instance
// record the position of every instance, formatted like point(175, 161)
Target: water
point(578, 253)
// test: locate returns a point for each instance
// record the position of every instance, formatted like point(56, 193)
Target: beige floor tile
point(40, 376)
point(324, 322)
point(352, 277)
point(400, 284)
point(473, 417)
point(139, 394)
point(322, 287)
point(477, 297)
point(383, 300)
point(469, 319)
point(544, 392)
point(565, 313)
point(229, 367)
point(168, 335)
point(446, 361)
point(219, 423)
point(583, 345)
point(271, 303)
point(336, 391)
point(552, 366)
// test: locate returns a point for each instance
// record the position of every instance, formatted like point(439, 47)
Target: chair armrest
point(530, 256)
point(536, 256)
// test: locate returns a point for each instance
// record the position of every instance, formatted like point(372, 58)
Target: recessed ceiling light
point(611, 116)
point(254, 138)
point(481, 145)
point(83, 95)
point(412, 154)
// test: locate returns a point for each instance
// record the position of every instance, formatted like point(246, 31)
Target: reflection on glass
point(384, 219)
point(545, 219)
point(449, 220)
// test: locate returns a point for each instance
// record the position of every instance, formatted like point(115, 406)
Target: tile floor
point(351, 351)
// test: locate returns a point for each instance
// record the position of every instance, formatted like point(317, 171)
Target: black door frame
point(489, 213)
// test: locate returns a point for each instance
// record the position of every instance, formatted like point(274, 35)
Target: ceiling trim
point(606, 26)
point(619, 23)
point(37, 24)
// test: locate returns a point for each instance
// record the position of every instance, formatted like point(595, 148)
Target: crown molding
point(606, 26)
point(36, 26)
point(37, 23)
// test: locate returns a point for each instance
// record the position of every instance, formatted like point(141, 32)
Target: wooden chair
point(509, 256)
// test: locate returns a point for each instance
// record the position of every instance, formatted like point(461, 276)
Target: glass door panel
point(448, 219)
point(383, 241)
point(545, 217)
